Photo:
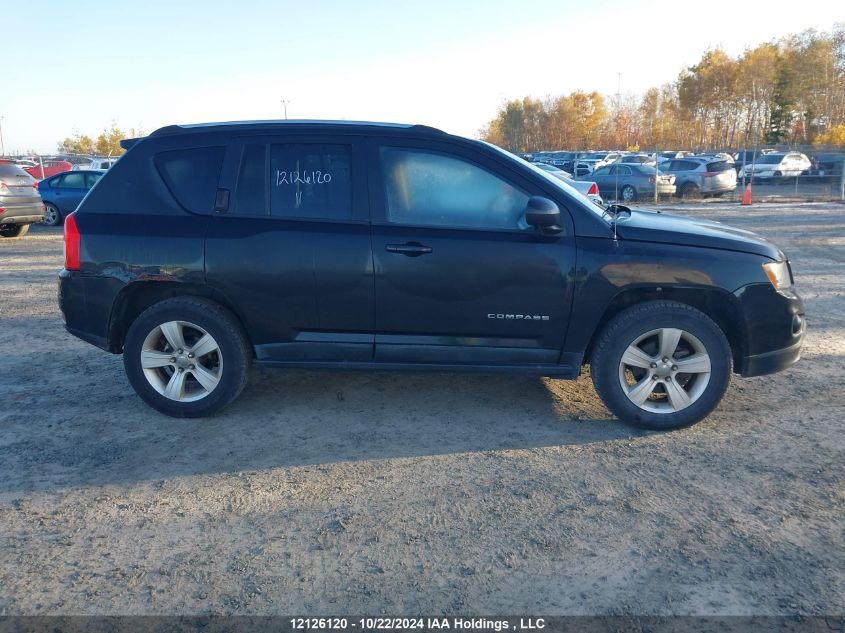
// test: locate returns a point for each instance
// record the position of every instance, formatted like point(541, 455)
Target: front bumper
point(772, 362)
point(774, 326)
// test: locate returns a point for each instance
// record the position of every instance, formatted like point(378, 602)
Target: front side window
point(310, 181)
point(428, 189)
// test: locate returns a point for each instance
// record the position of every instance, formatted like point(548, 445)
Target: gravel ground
point(328, 492)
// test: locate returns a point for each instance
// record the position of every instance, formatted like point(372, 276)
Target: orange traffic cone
point(746, 197)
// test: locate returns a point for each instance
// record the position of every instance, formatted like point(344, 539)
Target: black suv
point(380, 246)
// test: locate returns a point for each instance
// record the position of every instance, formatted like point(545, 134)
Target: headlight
point(778, 274)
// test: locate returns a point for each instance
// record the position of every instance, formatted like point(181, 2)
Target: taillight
point(35, 185)
point(72, 243)
point(708, 174)
point(593, 190)
point(2, 210)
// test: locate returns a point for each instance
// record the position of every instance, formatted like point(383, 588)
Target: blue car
point(63, 192)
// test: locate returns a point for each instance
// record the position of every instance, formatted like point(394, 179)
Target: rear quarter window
point(192, 175)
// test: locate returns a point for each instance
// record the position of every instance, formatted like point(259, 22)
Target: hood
point(761, 166)
point(664, 228)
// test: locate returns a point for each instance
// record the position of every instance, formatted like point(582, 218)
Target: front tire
point(14, 230)
point(187, 357)
point(661, 365)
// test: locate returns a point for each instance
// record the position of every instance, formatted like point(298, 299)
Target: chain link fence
point(773, 174)
point(800, 173)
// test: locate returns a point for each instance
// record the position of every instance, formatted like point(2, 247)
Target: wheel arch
point(137, 296)
point(719, 305)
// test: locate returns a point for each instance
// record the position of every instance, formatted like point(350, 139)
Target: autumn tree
point(782, 92)
point(107, 142)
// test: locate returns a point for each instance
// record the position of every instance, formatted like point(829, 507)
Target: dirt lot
point(419, 493)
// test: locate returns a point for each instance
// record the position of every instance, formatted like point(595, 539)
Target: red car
point(51, 168)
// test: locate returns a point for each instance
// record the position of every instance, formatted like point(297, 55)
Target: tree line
point(790, 91)
point(107, 143)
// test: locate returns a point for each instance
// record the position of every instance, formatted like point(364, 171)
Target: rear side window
point(719, 166)
point(311, 182)
point(192, 175)
point(73, 180)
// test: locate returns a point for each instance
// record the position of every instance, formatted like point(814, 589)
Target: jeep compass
point(309, 244)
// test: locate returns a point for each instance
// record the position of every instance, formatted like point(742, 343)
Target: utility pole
point(2, 145)
point(285, 103)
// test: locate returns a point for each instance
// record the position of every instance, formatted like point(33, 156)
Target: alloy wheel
point(51, 216)
point(664, 370)
point(181, 361)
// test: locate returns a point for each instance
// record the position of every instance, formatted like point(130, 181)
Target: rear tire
point(14, 230)
point(52, 215)
point(161, 367)
point(628, 193)
point(638, 363)
point(689, 190)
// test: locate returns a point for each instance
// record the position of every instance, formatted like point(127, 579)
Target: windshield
point(589, 203)
point(769, 159)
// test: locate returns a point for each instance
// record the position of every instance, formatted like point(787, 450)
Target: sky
point(77, 66)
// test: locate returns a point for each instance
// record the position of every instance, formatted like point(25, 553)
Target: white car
point(589, 189)
point(95, 162)
point(701, 175)
point(777, 165)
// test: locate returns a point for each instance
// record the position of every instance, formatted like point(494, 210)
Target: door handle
point(411, 249)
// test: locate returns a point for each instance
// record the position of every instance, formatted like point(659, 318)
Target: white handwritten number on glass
point(297, 177)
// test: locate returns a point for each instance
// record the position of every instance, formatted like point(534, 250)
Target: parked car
point(670, 154)
point(586, 187)
point(47, 168)
point(564, 160)
point(554, 171)
point(701, 175)
point(777, 165)
point(599, 159)
point(379, 246)
point(20, 203)
point(636, 159)
point(827, 166)
point(75, 159)
point(743, 157)
point(94, 163)
point(63, 193)
point(725, 156)
point(582, 167)
point(630, 182)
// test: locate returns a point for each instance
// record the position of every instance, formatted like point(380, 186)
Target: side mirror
point(543, 214)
